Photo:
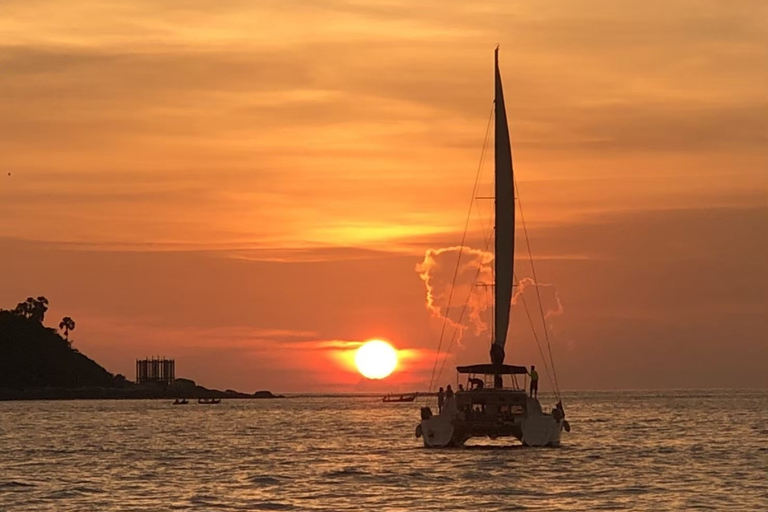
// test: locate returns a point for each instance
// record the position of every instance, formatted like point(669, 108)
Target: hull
point(398, 398)
point(451, 428)
point(542, 430)
point(443, 432)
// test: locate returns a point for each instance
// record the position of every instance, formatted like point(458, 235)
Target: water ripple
point(627, 451)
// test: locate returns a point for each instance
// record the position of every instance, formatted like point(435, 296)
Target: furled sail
point(505, 223)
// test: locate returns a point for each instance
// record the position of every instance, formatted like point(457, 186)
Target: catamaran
point(493, 404)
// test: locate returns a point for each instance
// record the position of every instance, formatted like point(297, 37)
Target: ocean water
point(679, 450)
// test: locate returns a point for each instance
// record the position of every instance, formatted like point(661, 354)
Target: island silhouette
point(36, 362)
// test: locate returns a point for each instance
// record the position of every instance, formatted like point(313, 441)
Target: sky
point(254, 188)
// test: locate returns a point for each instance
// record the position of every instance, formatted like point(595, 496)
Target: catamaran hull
point(543, 430)
point(442, 431)
point(438, 432)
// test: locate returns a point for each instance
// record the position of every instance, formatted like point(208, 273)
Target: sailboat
point(493, 404)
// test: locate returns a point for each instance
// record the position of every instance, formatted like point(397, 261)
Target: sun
point(376, 359)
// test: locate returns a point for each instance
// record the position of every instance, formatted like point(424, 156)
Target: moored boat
point(406, 397)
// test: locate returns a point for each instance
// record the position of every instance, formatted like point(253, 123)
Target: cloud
point(346, 130)
point(698, 273)
point(454, 279)
point(533, 294)
point(134, 120)
point(539, 302)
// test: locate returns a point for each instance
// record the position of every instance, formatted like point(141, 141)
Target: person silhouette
point(534, 382)
point(477, 383)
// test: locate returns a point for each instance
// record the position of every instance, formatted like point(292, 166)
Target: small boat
point(209, 401)
point(183, 401)
point(407, 397)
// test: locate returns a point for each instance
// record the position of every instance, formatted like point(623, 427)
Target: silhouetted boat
point(489, 406)
point(407, 397)
point(209, 401)
point(183, 401)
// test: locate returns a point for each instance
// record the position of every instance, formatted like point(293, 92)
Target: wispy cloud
point(452, 277)
point(173, 124)
point(262, 170)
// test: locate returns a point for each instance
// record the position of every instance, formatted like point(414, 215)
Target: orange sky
point(249, 186)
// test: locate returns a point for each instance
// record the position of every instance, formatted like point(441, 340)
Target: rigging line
point(486, 230)
point(463, 310)
point(536, 338)
point(538, 292)
point(461, 247)
point(490, 232)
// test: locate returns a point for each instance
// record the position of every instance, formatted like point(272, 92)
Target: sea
point(639, 450)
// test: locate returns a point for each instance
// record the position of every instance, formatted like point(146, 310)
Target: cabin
point(493, 393)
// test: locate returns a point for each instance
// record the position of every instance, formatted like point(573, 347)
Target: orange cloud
point(451, 276)
point(234, 176)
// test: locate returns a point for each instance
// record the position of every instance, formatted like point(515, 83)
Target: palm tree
point(41, 304)
point(67, 324)
point(32, 309)
point(23, 309)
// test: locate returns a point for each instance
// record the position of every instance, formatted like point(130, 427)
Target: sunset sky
point(255, 187)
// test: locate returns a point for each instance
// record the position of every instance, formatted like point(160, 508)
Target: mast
point(504, 225)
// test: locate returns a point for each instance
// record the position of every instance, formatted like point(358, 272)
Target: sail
point(505, 223)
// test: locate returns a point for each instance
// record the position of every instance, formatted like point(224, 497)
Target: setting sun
point(376, 359)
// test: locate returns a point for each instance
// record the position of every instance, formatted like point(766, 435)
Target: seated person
point(477, 383)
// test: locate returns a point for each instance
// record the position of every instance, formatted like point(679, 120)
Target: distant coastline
point(132, 393)
point(37, 363)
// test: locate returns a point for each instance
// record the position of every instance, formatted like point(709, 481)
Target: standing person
point(440, 400)
point(450, 401)
point(534, 382)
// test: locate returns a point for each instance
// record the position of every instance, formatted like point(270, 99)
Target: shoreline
point(133, 393)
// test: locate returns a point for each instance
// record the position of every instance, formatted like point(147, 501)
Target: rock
point(266, 394)
point(184, 384)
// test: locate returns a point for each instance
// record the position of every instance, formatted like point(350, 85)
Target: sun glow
point(376, 359)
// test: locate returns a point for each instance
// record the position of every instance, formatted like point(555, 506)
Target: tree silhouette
point(39, 309)
point(67, 324)
point(34, 357)
point(32, 308)
point(23, 309)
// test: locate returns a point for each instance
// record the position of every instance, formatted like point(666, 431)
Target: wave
point(13, 484)
point(347, 472)
point(271, 505)
point(264, 480)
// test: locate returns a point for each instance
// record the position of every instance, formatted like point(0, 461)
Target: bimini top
point(493, 369)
